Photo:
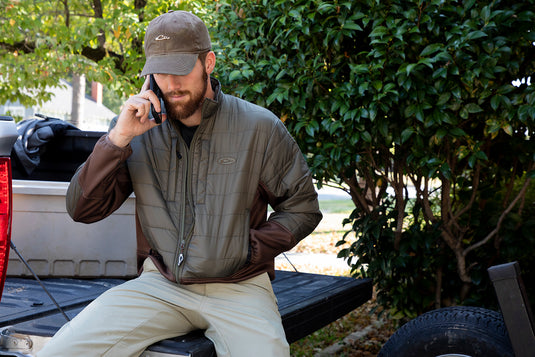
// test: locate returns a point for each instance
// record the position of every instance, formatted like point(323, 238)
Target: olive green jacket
point(202, 211)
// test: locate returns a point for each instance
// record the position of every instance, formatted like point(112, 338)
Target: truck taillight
point(5, 217)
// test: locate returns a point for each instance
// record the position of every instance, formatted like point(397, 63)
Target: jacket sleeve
point(101, 184)
point(287, 183)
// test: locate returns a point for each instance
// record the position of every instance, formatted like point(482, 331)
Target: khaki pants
point(242, 319)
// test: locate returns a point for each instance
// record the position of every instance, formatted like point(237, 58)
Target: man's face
point(183, 95)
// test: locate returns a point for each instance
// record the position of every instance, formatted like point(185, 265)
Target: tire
point(459, 331)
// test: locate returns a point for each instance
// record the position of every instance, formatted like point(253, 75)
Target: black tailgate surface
point(307, 302)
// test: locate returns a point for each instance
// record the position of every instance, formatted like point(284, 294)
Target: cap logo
point(162, 38)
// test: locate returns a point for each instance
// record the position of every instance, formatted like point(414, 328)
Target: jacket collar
point(209, 107)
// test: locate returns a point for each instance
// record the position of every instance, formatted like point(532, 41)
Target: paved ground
point(305, 262)
point(317, 253)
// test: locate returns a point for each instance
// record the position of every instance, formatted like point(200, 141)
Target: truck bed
point(307, 302)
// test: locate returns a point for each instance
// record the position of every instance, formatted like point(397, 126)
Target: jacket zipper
point(181, 251)
point(186, 187)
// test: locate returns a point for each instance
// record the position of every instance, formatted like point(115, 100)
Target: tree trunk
point(78, 96)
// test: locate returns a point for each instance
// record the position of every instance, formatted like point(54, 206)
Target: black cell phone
point(157, 116)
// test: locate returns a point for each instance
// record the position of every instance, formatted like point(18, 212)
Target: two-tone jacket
point(202, 210)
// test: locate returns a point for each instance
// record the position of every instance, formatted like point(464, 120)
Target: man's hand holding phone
point(137, 116)
point(154, 113)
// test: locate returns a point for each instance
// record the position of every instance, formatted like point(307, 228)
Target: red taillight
point(5, 217)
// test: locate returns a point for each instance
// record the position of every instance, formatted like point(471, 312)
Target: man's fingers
point(137, 106)
point(153, 99)
point(146, 85)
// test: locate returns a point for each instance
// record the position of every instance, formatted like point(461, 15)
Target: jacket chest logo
point(226, 160)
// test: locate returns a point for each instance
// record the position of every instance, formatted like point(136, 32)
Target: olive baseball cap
point(173, 42)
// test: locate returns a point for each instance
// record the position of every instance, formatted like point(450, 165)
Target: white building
point(96, 116)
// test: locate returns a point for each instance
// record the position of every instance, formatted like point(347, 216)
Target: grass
point(323, 241)
point(345, 338)
point(337, 206)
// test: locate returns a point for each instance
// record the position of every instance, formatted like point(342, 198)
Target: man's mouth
point(176, 96)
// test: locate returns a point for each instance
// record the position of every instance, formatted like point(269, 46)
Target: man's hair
point(202, 57)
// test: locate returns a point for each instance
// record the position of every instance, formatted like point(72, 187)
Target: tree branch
point(93, 54)
point(495, 231)
point(475, 185)
point(99, 13)
point(22, 47)
point(398, 185)
point(66, 13)
point(355, 191)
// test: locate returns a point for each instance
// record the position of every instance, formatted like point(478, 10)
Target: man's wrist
point(119, 140)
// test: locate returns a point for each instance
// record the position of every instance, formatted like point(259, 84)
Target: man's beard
point(185, 110)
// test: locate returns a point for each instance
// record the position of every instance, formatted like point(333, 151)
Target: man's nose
point(174, 83)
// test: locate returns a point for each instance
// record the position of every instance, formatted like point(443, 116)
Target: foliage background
point(42, 41)
point(407, 105)
point(388, 97)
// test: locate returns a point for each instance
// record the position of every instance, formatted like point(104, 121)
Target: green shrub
point(384, 97)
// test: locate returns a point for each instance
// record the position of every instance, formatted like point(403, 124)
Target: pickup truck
point(56, 266)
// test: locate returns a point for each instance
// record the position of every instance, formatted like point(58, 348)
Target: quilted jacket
point(202, 210)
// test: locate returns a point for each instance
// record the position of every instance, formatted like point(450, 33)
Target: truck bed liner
point(25, 299)
point(307, 302)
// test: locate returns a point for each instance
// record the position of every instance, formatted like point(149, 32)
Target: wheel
point(459, 331)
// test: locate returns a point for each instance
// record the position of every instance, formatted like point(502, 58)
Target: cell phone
point(157, 116)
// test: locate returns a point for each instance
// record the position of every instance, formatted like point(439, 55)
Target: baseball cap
point(173, 42)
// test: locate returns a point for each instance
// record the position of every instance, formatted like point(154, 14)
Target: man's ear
point(210, 62)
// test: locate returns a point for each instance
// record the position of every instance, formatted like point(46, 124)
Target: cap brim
point(178, 64)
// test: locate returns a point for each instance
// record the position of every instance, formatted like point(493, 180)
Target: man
point(203, 180)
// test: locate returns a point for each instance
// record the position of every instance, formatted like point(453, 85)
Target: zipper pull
point(181, 255)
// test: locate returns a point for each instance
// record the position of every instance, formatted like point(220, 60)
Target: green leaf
point(476, 34)
point(410, 67)
point(430, 49)
point(351, 26)
point(379, 31)
point(426, 61)
point(440, 73)
point(312, 128)
point(525, 113)
point(457, 132)
point(441, 133)
point(235, 75)
point(419, 113)
point(480, 155)
point(464, 113)
point(366, 137)
point(280, 75)
point(473, 108)
point(406, 134)
point(378, 85)
point(443, 99)
point(495, 102)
